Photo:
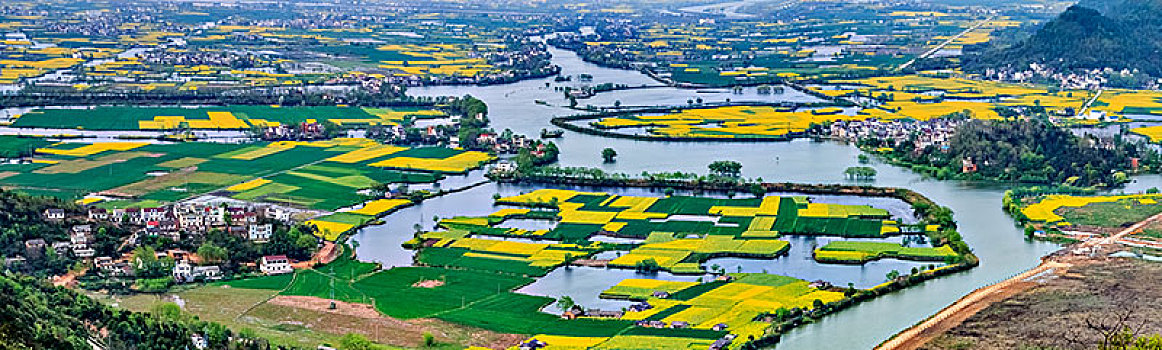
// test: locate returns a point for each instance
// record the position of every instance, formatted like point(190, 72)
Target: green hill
point(1119, 35)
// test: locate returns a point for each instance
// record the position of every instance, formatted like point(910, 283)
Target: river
point(999, 243)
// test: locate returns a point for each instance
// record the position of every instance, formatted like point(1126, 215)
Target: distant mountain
point(1115, 34)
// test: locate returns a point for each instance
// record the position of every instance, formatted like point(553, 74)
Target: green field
point(14, 146)
point(860, 252)
point(454, 257)
point(520, 314)
point(302, 174)
point(1109, 214)
point(471, 298)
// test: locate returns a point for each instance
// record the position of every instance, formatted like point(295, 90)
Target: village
point(182, 222)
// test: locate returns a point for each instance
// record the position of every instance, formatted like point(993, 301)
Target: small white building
point(54, 214)
point(275, 265)
point(278, 213)
point(98, 214)
point(182, 271)
point(259, 232)
point(207, 272)
point(504, 168)
point(199, 341)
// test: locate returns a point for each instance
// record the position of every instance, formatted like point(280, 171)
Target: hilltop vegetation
point(1090, 35)
point(1023, 150)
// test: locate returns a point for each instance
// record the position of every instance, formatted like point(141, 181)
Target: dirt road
point(979, 299)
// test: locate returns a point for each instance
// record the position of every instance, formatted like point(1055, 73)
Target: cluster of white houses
point(252, 223)
point(196, 218)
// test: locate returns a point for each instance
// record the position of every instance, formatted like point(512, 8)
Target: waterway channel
point(996, 240)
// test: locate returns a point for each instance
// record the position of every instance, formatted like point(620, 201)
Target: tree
point(166, 311)
point(212, 254)
point(647, 265)
point(608, 155)
point(565, 303)
point(352, 341)
point(429, 340)
point(715, 268)
point(145, 263)
point(728, 168)
point(893, 275)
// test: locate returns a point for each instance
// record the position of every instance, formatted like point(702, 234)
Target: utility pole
point(332, 287)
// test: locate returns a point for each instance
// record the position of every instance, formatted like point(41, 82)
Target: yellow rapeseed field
point(91, 149)
point(455, 164)
point(379, 206)
point(1043, 211)
point(248, 185)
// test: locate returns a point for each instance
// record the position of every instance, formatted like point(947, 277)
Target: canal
point(1001, 246)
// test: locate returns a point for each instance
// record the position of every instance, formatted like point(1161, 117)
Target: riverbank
point(1056, 264)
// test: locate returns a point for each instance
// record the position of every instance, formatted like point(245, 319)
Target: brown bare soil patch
point(79, 165)
point(182, 162)
point(327, 254)
point(1055, 314)
point(428, 284)
point(176, 178)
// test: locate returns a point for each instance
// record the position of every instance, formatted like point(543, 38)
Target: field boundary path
point(937, 48)
point(953, 315)
point(1089, 103)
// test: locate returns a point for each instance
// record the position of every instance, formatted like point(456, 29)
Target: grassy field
point(471, 298)
point(1110, 214)
point(12, 146)
point(230, 306)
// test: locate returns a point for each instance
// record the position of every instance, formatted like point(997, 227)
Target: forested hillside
point(1090, 35)
point(1027, 151)
point(36, 315)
